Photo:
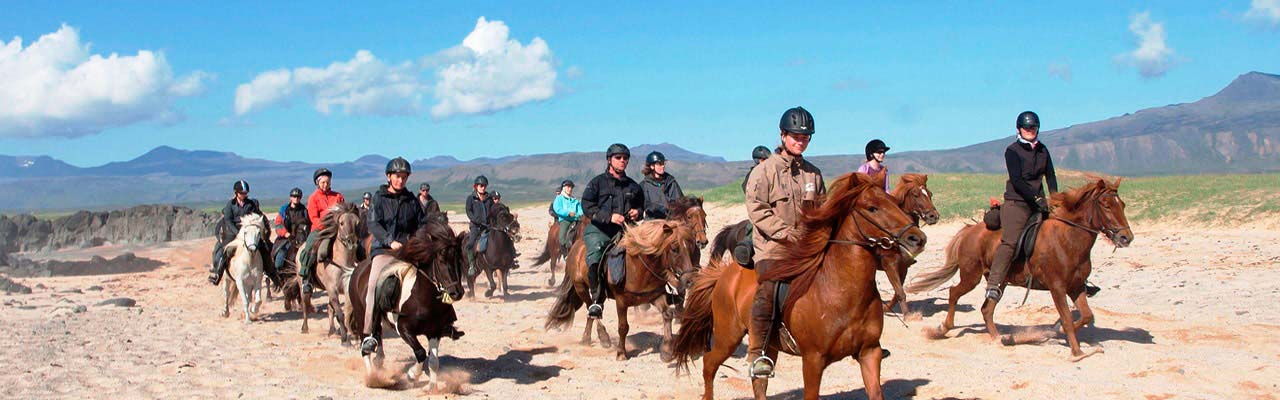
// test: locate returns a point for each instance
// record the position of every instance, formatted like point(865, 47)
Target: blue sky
point(710, 77)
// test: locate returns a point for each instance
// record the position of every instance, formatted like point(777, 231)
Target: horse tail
point(546, 254)
point(722, 242)
point(567, 304)
point(930, 280)
point(696, 323)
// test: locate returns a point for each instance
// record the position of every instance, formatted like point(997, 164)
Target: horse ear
point(1118, 180)
point(924, 179)
point(879, 176)
point(1101, 184)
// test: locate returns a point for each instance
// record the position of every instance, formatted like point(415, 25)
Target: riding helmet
point(319, 173)
point(481, 180)
point(1028, 120)
point(617, 148)
point(566, 182)
point(424, 186)
point(654, 158)
point(368, 196)
point(760, 153)
point(497, 195)
point(797, 120)
point(241, 186)
point(875, 146)
point(399, 164)
point(295, 193)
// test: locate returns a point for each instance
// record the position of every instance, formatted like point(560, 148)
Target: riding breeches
point(1013, 219)
point(375, 269)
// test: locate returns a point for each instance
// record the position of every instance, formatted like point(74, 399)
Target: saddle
point(1027, 240)
point(615, 257)
point(786, 342)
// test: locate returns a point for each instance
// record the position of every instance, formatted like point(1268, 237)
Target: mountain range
point(1236, 130)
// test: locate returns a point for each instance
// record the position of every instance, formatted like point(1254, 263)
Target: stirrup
point(595, 311)
point(994, 294)
point(761, 367)
point(368, 345)
point(306, 287)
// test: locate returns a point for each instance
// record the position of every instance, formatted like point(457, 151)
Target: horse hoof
point(1083, 355)
point(305, 330)
point(666, 357)
point(621, 357)
point(1007, 340)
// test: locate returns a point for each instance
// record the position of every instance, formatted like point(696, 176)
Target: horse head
point(1099, 203)
point(689, 210)
point(435, 250)
point(252, 228)
point(914, 198)
point(663, 249)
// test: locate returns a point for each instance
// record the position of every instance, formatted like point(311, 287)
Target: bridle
point(433, 275)
point(916, 215)
point(1088, 225)
point(890, 240)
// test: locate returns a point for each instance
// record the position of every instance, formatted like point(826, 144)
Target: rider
point(758, 154)
point(568, 210)
point(875, 161)
point(367, 200)
point(478, 205)
point(429, 204)
point(323, 198)
point(237, 207)
point(394, 215)
point(777, 190)
point(611, 199)
point(659, 186)
point(291, 218)
point(1029, 164)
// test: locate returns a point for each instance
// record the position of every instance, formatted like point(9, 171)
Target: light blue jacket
point(564, 205)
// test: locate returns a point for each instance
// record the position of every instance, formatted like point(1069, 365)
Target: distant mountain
point(34, 166)
point(673, 152)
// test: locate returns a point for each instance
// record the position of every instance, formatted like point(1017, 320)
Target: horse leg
point(471, 286)
point(1064, 315)
point(869, 363)
point(488, 274)
point(967, 283)
point(664, 349)
point(720, 351)
point(623, 328)
point(244, 298)
point(257, 301)
point(603, 335)
point(433, 363)
point(813, 364)
point(1086, 313)
point(586, 333)
point(229, 292)
point(419, 353)
point(505, 291)
point(304, 303)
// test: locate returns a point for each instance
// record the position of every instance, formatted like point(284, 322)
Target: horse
point(553, 250)
point(290, 267)
point(245, 267)
point(340, 234)
point(833, 309)
point(913, 197)
point(689, 212)
point(499, 255)
point(657, 257)
point(1059, 264)
point(415, 294)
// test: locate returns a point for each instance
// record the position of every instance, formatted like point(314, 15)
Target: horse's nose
point(702, 244)
point(931, 218)
point(1124, 239)
point(915, 240)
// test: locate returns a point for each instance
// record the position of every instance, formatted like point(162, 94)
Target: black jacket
point(296, 219)
point(657, 192)
point(606, 195)
point(430, 207)
point(478, 210)
point(1028, 169)
point(393, 217)
point(232, 212)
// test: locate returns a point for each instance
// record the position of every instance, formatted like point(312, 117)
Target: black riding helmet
point(295, 193)
point(654, 157)
point(368, 196)
point(399, 164)
point(760, 153)
point(1028, 120)
point(424, 186)
point(875, 146)
point(241, 186)
point(797, 120)
point(497, 195)
point(319, 173)
point(566, 182)
point(481, 180)
point(617, 148)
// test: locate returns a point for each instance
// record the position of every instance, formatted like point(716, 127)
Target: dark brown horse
point(499, 255)
point(415, 295)
point(833, 310)
point(554, 251)
point(914, 198)
point(1059, 264)
point(657, 258)
point(689, 212)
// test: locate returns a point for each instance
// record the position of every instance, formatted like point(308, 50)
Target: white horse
point(245, 267)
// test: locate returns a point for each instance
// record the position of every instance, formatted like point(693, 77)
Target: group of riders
point(777, 189)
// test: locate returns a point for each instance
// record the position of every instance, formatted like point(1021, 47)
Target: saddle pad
point(1027, 241)
point(404, 272)
point(616, 260)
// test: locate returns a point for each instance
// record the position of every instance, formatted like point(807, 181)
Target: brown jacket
point(777, 189)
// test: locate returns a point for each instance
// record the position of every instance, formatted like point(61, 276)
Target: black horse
point(728, 237)
point(500, 252)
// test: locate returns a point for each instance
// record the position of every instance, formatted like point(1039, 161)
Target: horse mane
point(654, 236)
point(428, 242)
point(800, 261)
point(907, 182)
point(330, 220)
point(1070, 200)
point(678, 208)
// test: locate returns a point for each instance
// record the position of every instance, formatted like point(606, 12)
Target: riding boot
point(268, 264)
point(761, 329)
point(471, 264)
point(217, 266)
point(595, 309)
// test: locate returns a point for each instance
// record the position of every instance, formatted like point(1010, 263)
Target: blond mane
point(652, 237)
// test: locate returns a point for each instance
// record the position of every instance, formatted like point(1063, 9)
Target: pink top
point(866, 168)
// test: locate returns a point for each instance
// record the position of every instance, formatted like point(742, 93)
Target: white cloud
point(501, 74)
point(1153, 57)
point(1266, 12)
point(56, 87)
point(1060, 70)
point(363, 85)
point(487, 72)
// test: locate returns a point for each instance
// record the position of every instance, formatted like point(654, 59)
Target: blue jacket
point(564, 205)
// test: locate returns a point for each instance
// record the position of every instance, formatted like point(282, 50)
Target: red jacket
point(318, 206)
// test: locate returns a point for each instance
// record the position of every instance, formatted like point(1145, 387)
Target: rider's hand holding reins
point(617, 219)
point(396, 245)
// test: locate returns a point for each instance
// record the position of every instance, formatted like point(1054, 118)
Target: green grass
point(1222, 199)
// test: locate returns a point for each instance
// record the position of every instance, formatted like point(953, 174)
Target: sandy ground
point(1186, 313)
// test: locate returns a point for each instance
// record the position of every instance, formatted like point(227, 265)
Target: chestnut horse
point(656, 261)
point(833, 309)
point(554, 251)
point(1059, 264)
point(415, 294)
point(914, 198)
